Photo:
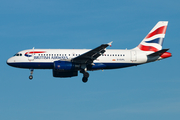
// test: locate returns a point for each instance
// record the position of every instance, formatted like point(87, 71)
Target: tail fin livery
point(154, 39)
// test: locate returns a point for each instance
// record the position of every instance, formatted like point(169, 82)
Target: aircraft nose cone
point(9, 61)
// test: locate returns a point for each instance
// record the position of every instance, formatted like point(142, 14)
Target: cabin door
point(133, 56)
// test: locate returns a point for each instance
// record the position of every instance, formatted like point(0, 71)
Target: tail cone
point(166, 55)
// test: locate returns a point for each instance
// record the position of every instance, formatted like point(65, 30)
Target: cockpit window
point(17, 54)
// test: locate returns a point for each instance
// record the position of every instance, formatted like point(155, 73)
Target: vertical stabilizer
point(154, 39)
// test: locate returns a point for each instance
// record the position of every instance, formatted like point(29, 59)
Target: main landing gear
point(85, 75)
point(31, 77)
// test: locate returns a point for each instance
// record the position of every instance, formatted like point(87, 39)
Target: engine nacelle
point(64, 65)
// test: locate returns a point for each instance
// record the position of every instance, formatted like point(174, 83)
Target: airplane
point(67, 62)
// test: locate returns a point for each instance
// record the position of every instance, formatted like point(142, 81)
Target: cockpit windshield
point(18, 54)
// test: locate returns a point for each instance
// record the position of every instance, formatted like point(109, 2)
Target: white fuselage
point(44, 58)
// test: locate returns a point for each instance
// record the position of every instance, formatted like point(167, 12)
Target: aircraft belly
point(34, 65)
point(97, 66)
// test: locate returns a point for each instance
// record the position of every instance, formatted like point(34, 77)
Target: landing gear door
point(133, 56)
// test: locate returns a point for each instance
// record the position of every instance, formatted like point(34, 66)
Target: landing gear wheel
point(84, 79)
point(30, 77)
point(84, 72)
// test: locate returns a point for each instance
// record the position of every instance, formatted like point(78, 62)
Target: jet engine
point(65, 69)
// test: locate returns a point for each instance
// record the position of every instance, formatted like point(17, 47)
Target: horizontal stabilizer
point(158, 53)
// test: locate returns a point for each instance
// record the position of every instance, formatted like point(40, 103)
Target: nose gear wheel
point(31, 76)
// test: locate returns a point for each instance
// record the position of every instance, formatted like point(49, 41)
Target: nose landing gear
point(31, 77)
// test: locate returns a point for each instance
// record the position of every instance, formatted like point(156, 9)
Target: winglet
point(110, 43)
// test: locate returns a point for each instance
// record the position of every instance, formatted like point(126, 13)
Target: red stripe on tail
point(161, 30)
point(147, 48)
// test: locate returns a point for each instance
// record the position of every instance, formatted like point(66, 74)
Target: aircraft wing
point(91, 55)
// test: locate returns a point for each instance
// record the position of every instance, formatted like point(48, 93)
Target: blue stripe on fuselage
point(111, 65)
point(33, 65)
point(36, 65)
